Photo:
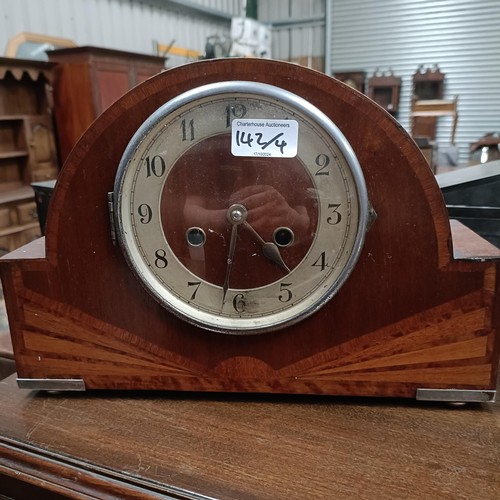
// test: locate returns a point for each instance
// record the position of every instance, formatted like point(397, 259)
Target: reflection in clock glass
point(276, 192)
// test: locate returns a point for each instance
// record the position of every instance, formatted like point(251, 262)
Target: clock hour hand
point(269, 249)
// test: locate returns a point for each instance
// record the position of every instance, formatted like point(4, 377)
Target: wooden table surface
point(163, 445)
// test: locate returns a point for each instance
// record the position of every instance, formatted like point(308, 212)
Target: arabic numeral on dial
point(196, 285)
point(239, 302)
point(187, 128)
point(145, 213)
point(234, 111)
point(161, 261)
point(321, 262)
point(287, 295)
point(322, 161)
point(336, 216)
point(155, 166)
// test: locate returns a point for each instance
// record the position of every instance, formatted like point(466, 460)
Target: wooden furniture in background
point(428, 84)
point(355, 79)
point(18, 218)
point(192, 446)
point(435, 108)
point(485, 149)
point(87, 80)
point(384, 89)
point(27, 146)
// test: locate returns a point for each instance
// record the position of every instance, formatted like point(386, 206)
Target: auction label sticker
point(271, 138)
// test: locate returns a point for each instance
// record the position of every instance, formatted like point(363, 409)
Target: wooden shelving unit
point(27, 147)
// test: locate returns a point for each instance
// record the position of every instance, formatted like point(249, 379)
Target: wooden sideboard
point(192, 446)
point(88, 80)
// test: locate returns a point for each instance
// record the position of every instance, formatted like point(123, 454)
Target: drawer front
point(5, 217)
point(27, 236)
point(7, 244)
point(44, 174)
point(27, 213)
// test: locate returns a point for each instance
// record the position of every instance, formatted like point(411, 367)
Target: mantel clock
point(245, 225)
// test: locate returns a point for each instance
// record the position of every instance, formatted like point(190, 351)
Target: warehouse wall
point(298, 30)
point(130, 25)
point(461, 36)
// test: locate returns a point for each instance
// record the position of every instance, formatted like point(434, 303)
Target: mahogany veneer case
point(418, 316)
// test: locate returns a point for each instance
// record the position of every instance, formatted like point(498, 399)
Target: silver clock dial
point(241, 207)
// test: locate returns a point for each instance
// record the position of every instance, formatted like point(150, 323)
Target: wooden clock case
point(419, 313)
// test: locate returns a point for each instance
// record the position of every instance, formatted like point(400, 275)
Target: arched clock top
point(401, 187)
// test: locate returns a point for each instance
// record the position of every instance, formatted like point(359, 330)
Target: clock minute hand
point(269, 249)
point(230, 256)
point(236, 215)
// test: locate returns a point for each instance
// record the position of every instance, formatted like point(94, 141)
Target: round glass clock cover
point(241, 207)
